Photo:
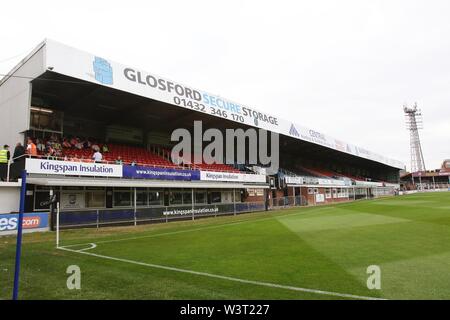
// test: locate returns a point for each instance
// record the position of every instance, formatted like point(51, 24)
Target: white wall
point(9, 197)
point(15, 95)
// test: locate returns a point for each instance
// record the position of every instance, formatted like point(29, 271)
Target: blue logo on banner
point(160, 173)
point(293, 131)
point(103, 71)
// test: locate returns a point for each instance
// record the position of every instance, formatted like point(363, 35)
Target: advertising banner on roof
point(82, 65)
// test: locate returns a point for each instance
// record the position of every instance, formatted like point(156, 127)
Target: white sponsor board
point(320, 197)
point(82, 65)
point(255, 192)
point(72, 200)
point(331, 182)
point(294, 180)
point(392, 185)
point(231, 177)
point(42, 166)
point(313, 180)
point(368, 184)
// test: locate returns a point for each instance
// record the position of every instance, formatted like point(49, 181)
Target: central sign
point(160, 173)
point(232, 177)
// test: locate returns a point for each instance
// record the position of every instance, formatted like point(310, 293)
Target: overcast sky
point(344, 67)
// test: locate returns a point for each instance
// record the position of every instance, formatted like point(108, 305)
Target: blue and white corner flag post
point(19, 235)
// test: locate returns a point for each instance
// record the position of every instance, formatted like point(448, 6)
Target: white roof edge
point(23, 61)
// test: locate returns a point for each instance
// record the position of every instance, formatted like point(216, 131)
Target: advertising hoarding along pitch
point(31, 222)
point(82, 65)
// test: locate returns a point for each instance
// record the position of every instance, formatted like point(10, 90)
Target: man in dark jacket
point(18, 152)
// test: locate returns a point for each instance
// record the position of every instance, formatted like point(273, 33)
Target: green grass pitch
point(301, 253)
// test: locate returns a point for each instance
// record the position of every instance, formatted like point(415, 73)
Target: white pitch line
point(211, 275)
point(93, 246)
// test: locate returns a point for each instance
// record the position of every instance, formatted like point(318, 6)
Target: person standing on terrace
point(4, 160)
point(40, 145)
point(19, 151)
point(31, 148)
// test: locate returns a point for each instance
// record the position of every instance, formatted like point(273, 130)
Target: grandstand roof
point(60, 59)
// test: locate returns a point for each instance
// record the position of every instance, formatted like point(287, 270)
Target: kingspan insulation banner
point(85, 66)
point(55, 167)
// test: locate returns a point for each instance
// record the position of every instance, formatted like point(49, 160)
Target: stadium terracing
point(70, 100)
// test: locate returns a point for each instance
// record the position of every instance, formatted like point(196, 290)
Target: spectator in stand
point(56, 145)
point(86, 144)
point(40, 146)
point(19, 151)
point(50, 152)
point(31, 148)
point(95, 146)
point(66, 143)
point(58, 153)
point(119, 160)
point(73, 142)
point(105, 148)
point(133, 163)
point(79, 145)
point(97, 157)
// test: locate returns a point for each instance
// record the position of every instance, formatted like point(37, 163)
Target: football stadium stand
point(438, 179)
point(67, 111)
